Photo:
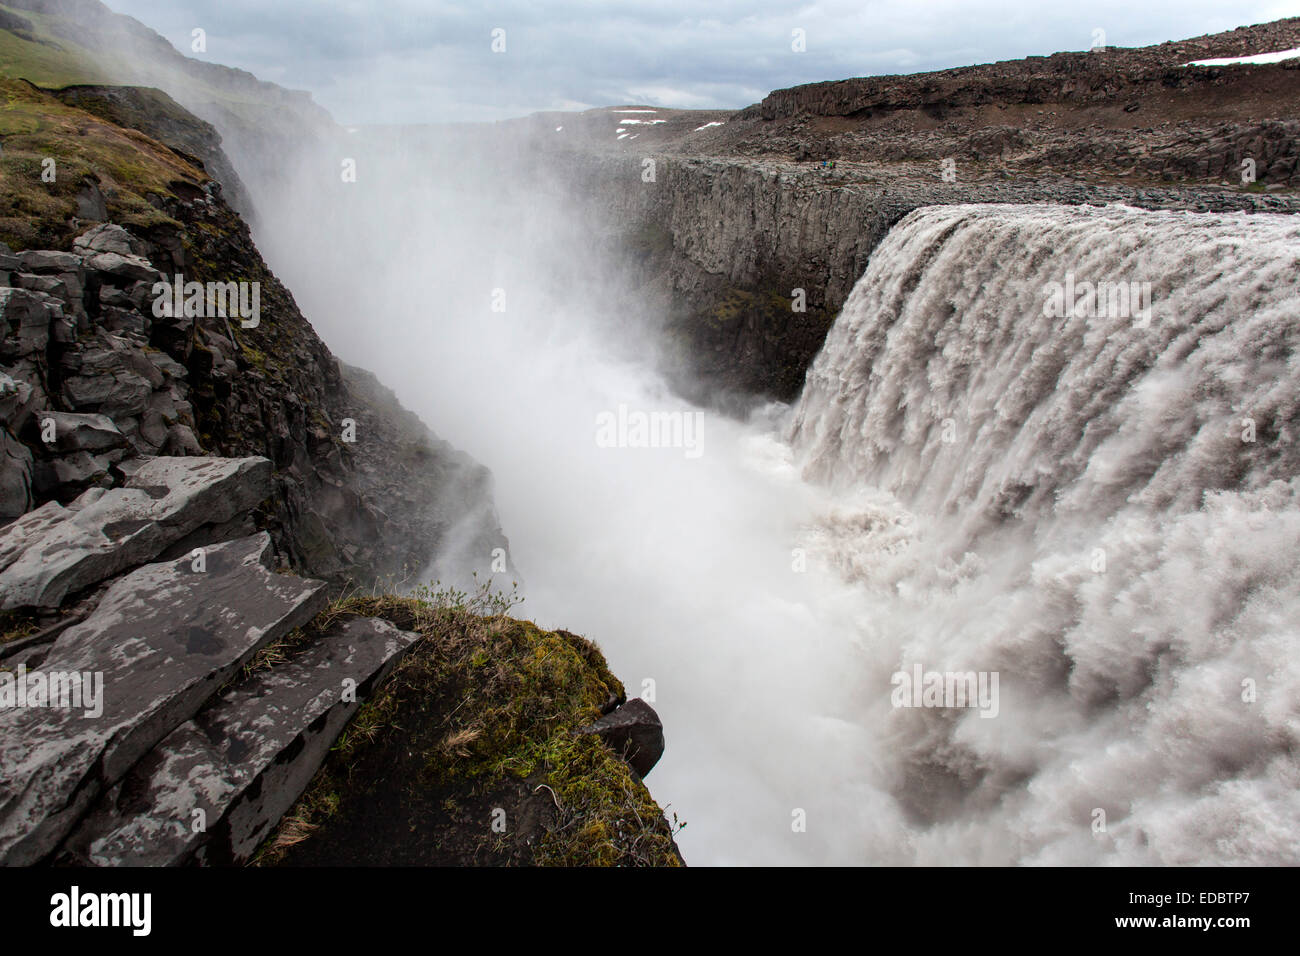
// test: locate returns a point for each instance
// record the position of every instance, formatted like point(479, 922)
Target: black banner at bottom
point(337, 906)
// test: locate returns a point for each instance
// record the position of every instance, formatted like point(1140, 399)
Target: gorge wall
point(352, 502)
point(745, 207)
point(186, 476)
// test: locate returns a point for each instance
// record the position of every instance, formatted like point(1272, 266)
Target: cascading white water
point(1119, 690)
point(1099, 504)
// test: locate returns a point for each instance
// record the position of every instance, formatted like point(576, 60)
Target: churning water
point(1094, 500)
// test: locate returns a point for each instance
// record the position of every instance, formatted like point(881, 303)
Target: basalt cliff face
point(362, 490)
point(191, 485)
point(724, 216)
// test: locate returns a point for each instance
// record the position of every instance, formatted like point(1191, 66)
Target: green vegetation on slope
point(132, 172)
point(476, 726)
point(30, 51)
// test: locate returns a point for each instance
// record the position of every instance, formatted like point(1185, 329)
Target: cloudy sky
point(431, 60)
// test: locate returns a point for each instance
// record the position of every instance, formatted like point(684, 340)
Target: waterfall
point(1062, 443)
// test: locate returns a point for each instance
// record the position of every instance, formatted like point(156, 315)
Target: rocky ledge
point(185, 492)
point(182, 710)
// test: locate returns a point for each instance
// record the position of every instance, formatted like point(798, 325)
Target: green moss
point(483, 705)
point(126, 166)
point(607, 817)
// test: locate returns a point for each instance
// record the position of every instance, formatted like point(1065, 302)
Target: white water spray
point(1103, 509)
point(770, 613)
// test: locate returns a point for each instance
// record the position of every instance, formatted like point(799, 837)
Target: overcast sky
point(410, 61)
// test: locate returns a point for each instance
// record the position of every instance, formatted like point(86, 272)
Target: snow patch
point(1277, 57)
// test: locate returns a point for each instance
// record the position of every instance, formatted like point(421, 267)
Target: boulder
point(81, 432)
point(69, 476)
point(55, 551)
point(181, 440)
point(242, 762)
point(104, 238)
point(91, 204)
point(46, 261)
point(159, 645)
point(127, 267)
point(25, 319)
point(634, 731)
point(15, 397)
point(114, 378)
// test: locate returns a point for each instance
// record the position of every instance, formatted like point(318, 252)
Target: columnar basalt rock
point(93, 373)
point(54, 551)
point(238, 765)
point(159, 644)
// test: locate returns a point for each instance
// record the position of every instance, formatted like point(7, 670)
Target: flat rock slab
point(54, 551)
point(219, 783)
point(160, 644)
point(635, 732)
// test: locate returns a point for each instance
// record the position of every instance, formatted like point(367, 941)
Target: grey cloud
point(429, 60)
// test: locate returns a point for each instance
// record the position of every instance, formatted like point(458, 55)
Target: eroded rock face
point(55, 551)
point(74, 432)
point(90, 376)
point(15, 477)
point(244, 760)
point(740, 236)
point(159, 644)
point(634, 731)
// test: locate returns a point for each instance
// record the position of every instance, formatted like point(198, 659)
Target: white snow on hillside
point(1277, 57)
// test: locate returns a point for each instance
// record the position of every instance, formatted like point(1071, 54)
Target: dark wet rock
point(80, 432)
point(15, 399)
point(25, 319)
point(15, 477)
point(106, 381)
point(240, 764)
point(180, 440)
point(91, 204)
point(634, 731)
point(164, 638)
point(125, 267)
point(69, 476)
point(41, 261)
point(55, 551)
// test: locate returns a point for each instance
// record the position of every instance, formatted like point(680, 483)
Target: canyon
point(841, 288)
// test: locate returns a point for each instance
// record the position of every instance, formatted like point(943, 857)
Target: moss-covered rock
point(51, 153)
point(468, 754)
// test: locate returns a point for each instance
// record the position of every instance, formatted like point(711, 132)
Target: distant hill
point(55, 44)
